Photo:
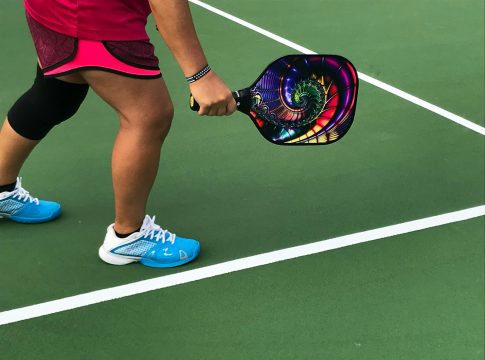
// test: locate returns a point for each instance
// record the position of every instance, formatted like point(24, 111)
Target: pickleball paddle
point(301, 99)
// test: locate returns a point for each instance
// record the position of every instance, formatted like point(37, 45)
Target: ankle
point(125, 229)
point(8, 179)
point(125, 235)
point(8, 187)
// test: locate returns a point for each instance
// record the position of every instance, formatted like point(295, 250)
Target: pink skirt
point(60, 54)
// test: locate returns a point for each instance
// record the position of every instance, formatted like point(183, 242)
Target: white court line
point(386, 87)
point(95, 297)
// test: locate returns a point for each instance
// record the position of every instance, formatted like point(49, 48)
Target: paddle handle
point(242, 97)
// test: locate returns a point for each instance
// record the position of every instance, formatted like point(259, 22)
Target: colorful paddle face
point(302, 99)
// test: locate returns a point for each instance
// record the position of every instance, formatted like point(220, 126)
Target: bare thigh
point(135, 100)
point(72, 78)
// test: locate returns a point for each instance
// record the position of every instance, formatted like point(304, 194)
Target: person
point(103, 45)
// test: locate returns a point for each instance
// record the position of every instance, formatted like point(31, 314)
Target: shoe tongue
point(148, 222)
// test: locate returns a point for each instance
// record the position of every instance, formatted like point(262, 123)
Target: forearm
point(174, 22)
point(176, 27)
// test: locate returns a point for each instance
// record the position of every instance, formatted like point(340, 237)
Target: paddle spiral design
point(305, 99)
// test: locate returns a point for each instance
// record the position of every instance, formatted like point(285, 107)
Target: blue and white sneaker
point(151, 246)
point(19, 206)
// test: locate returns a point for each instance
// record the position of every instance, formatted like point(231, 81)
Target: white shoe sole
point(110, 258)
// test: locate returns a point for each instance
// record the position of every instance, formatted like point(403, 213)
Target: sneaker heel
point(113, 259)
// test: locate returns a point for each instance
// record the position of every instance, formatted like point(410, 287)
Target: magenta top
point(93, 19)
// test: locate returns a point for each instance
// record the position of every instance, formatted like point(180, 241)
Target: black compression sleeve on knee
point(46, 104)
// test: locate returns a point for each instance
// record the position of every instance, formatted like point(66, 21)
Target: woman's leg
point(47, 103)
point(15, 148)
point(145, 113)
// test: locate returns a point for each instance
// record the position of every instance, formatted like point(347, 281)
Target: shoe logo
point(183, 255)
point(166, 253)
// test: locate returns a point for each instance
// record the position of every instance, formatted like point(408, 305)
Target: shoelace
point(154, 231)
point(22, 194)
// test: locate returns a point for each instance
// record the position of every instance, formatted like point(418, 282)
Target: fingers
point(231, 107)
point(221, 111)
point(224, 107)
point(203, 111)
point(213, 96)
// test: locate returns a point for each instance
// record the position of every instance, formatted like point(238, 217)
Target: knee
point(165, 117)
point(161, 121)
point(154, 122)
point(46, 104)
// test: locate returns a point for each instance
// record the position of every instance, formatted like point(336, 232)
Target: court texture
point(369, 248)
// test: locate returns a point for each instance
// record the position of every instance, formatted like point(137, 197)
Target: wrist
point(198, 75)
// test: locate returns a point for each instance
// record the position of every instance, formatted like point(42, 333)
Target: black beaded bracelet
point(198, 75)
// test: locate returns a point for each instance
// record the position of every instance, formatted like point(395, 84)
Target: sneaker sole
point(26, 220)
point(110, 258)
point(113, 259)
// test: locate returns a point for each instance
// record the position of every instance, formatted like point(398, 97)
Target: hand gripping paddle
point(301, 99)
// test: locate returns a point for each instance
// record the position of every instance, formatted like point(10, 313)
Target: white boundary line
point(386, 87)
point(95, 297)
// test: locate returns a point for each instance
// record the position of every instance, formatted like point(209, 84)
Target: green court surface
point(413, 296)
